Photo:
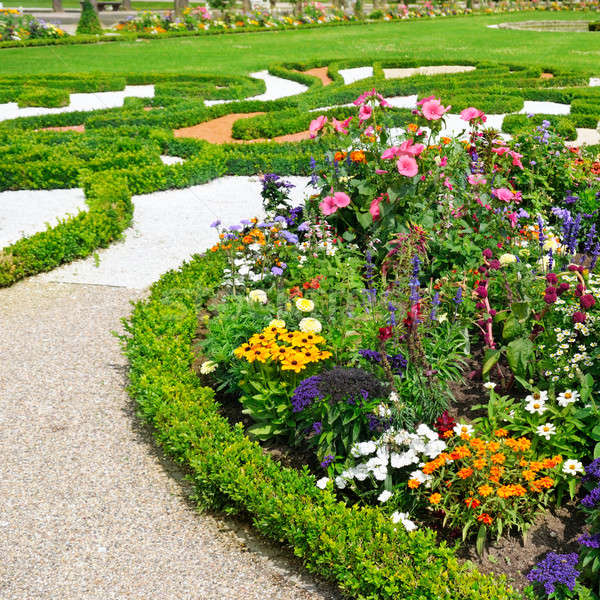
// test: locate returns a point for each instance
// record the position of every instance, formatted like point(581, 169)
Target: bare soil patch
point(321, 73)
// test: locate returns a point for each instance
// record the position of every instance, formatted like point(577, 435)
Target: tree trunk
point(126, 5)
point(57, 5)
point(246, 7)
point(179, 6)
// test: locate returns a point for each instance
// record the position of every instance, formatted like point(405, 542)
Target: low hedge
point(359, 549)
point(518, 123)
point(110, 212)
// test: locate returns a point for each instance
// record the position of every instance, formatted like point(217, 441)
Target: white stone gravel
point(585, 136)
point(79, 102)
point(544, 108)
point(168, 228)
point(276, 88)
point(594, 81)
point(355, 74)
point(171, 160)
point(429, 70)
point(23, 213)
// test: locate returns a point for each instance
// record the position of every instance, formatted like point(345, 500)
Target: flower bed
point(17, 27)
point(350, 323)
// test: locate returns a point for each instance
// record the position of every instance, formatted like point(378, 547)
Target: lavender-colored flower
point(314, 178)
point(593, 469)
point(306, 393)
point(435, 302)
point(304, 226)
point(277, 271)
point(522, 214)
point(235, 228)
point(294, 216)
point(590, 540)
point(595, 253)
point(246, 222)
point(317, 427)
point(289, 237)
point(571, 198)
point(215, 223)
point(589, 239)
point(592, 499)
point(555, 569)
point(459, 296)
point(540, 223)
point(397, 363)
point(327, 460)
point(392, 318)
point(550, 259)
point(370, 355)
point(416, 263)
point(573, 234)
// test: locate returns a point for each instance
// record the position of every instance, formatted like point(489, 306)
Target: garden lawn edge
point(110, 212)
point(359, 549)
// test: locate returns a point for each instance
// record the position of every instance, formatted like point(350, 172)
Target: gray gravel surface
point(89, 508)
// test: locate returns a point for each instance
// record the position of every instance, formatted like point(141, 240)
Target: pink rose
point(316, 125)
point(471, 113)
point(330, 204)
point(407, 166)
point(433, 110)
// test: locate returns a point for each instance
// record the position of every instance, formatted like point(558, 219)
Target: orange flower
point(542, 483)
point(506, 491)
point(493, 446)
point(460, 452)
point(501, 433)
point(413, 484)
point(435, 498)
point(557, 459)
point(485, 518)
point(498, 459)
point(445, 140)
point(479, 463)
point(528, 475)
point(448, 434)
point(413, 127)
point(478, 445)
point(472, 502)
point(523, 463)
point(485, 490)
point(358, 156)
point(465, 473)
point(339, 156)
point(523, 444)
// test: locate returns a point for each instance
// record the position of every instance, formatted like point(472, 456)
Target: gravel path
point(90, 509)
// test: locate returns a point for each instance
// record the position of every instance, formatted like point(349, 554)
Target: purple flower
point(235, 228)
point(571, 198)
point(317, 427)
point(555, 569)
point(592, 499)
point(370, 355)
point(277, 271)
point(327, 460)
point(304, 226)
point(593, 469)
point(458, 298)
point(434, 304)
point(215, 223)
point(246, 222)
point(540, 223)
point(289, 237)
point(306, 393)
point(590, 540)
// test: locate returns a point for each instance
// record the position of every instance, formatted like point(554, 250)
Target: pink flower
point(407, 166)
point(316, 125)
point(516, 159)
point(380, 172)
point(443, 161)
point(392, 152)
point(330, 204)
point(503, 194)
point(448, 184)
point(420, 102)
point(500, 151)
point(433, 110)
point(374, 208)
point(369, 130)
point(364, 114)
point(341, 126)
point(512, 217)
point(476, 179)
point(408, 147)
point(472, 113)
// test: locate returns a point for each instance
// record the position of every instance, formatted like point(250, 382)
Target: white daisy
point(384, 496)
point(322, 483)
point(546, 430)
point(567, 398)
point(463, 429)
point(572, 467)
point(489, 385)
point(536, 407)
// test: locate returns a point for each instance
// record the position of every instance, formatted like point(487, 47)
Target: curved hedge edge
point(110, 212)
point(357, 548)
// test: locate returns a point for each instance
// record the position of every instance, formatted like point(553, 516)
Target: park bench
point(102, 4)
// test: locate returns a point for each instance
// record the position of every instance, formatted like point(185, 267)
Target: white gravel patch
point(277, 87)
point(356, 74)
point(26, 212)
point(171, 160)
point(404, 101)
point(585, 136)
point(79, 102)
point(429, 70)
point(168, 228)
point(594, 81)
point(544, 108)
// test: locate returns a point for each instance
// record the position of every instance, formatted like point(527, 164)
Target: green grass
point(76, 4)
point(450, 40)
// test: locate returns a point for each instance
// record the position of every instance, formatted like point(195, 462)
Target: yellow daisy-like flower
point(304, 304)
point(277, 323)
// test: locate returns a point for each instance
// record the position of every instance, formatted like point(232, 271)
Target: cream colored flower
point(310, 325)
point(507, 259)
point(279, 323)
point(208, 366)
point(258, 296)
point(304, 304)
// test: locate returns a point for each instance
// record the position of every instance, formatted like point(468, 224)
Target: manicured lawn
point(76, 4)
point(450, 39)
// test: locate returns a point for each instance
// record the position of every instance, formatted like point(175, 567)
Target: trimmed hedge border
point(110, 212)
point(359, 549)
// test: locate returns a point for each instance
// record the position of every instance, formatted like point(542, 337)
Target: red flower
point(385, 333)
point(485, 518)
point(295, 292)
point(579, 317)
point(587, 301)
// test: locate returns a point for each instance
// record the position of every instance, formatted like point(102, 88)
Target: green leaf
point(597, 451)
point(595, 435)
point(365, 219)
point(262, 432)
point(511, 328)
point(491, 358)
point(521, 310)
point(481, 535)
point(348, 236)
point(518, 354)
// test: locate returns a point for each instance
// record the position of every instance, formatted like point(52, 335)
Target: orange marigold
point(485, 518)
point(358, 156)
point(472, 502)
point(501, 433)
point(528, 475)
point(465, 473)
point(485, 490)
point(542, 483)
point(435, 498)
point(498, 459)
point(493, 446)
point(413, 484)
point(448, 434)
point(523, 444)
point(460, 452)
point(339, 156)
point(412, 127)
point(479, 463)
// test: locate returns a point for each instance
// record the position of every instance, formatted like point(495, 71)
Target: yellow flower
point(304, 304)
point(310, 325)
point(278, 323)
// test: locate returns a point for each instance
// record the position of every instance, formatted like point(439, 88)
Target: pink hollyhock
point(374, 208)
point(443, 161)
point(516, 159)
point(408, 147)
point(392, 152)
point(501, 150)
point(512, 217)
point(448, 184)
point(330, 204)
point(341, 126)
point(380, 172)
point(433, 110)
point(503, 194)
point(370, 130)
point(476, 179)
point(407, 166)
point(364, 114)
point(421, 102)
point(472, 113)
point(316, 125)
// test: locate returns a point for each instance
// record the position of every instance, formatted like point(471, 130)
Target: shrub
point(89, 23)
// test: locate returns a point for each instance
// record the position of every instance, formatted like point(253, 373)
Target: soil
point(218, 131)
point(77, 128)
point(546, 76)
point(321, 73)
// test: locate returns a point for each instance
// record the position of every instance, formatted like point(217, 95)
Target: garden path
point(91, 509)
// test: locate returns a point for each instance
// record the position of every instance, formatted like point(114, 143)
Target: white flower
point(394, 397)
point(434, 448)
point(340, 482)
point(425, 431)
point(366, 448)
point(489, 385)
point(310, 325)
point(322, 483)
point(507, 259)
point(551, 244)
point(304, 304)
point(567, 398)
point(380, 472)
point(400, 517)
point(208, 366)
point(361, 472)
point(463, 429)
point(572, 467)
point(419, 476)
point(383, 411)
point(541, 396)
point(384, 496)
point(546, 430)
point(403, 460)
point(279, 323)
point(258, 296)
point(536, 407)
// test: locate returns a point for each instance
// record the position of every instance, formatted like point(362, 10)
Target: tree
point(89, 21)
point(57, 5)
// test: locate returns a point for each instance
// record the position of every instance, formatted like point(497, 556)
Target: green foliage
point(89, 23)
point(34, 96)
point(358, 548)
